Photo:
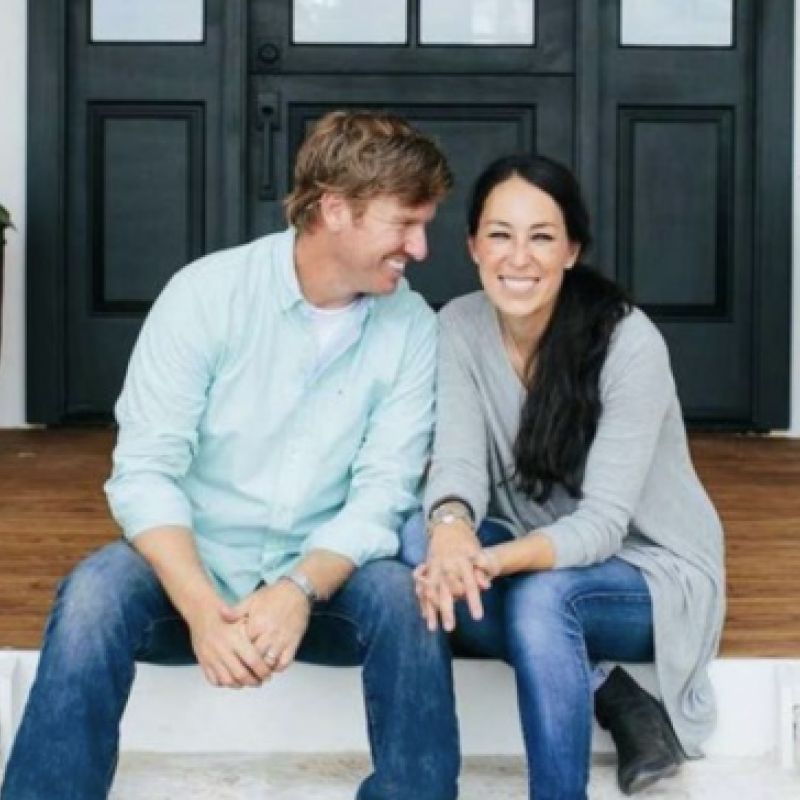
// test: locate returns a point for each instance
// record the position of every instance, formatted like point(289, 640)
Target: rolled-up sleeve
point(388, 468)
point(636, 389)
point(158, 411)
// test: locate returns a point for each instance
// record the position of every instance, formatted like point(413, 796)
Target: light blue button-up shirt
point(227, 427)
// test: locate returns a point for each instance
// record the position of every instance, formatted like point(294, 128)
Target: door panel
point(144, 157)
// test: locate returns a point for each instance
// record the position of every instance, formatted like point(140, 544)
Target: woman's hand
point(449, 574)
point(488, 562)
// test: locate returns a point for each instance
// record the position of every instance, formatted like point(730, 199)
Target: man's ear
point(334, 211)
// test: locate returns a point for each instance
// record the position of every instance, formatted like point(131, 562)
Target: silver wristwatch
point(304, 584)
point(449, 512)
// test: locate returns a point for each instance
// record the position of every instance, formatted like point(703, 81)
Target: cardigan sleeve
point(636, 390)
point(459, 465)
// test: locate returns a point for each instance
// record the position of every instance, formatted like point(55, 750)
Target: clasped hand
point(456, 568)
point(243, 645)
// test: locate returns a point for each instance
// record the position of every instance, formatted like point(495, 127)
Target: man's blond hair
point(363, 154)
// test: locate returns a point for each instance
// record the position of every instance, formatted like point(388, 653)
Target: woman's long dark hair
point(560, 413)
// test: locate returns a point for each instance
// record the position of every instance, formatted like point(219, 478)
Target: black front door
point(682, 145)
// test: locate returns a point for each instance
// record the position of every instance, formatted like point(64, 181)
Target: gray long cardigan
point(642, 500)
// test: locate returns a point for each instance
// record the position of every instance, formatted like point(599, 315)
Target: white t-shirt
point(335, 329)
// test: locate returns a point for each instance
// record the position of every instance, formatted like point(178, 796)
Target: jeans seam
point(344, 618)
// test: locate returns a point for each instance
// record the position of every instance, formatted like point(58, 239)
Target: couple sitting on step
point(282, 404)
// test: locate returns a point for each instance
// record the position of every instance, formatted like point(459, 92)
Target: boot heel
point(671, 736)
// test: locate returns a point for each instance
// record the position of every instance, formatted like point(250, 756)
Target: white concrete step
point(320, 710)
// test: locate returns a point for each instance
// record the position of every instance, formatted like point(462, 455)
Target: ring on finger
point(270, 656)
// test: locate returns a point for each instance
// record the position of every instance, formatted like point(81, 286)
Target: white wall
point(13, 56)
point(13, 59)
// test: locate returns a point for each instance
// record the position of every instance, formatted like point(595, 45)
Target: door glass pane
point(349, 22)
point(477, 22)
point(147, 21)
point(698, 23)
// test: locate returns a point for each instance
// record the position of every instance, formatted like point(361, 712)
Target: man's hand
point(223, 649)
point(225, 654)
point(449, 574)
point(274, 619)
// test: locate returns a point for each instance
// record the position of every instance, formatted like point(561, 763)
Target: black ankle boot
point(647, 748)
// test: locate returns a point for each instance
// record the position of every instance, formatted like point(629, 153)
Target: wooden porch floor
point(53, 512)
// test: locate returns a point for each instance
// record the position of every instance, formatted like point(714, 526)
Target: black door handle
point(268, 115)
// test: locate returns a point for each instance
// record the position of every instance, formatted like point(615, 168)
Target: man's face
point(377, 245)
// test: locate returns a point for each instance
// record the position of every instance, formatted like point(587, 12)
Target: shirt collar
point(289, 293)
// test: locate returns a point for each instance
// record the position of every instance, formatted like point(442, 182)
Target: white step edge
point(8, 696)
point(320, 710)
point(789, 715)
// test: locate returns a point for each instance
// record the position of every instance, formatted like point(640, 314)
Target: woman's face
point(522, 248)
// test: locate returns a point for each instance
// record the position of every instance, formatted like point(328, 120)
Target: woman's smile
point(517, 285)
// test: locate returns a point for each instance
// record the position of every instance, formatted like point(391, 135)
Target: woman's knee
point(539, 608)
point(548, 590)
point(381, 598)
point(414, 540)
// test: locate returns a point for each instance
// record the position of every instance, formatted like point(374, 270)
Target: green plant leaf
point(5, 218)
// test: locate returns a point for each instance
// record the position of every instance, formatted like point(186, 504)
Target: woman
point(562, 507)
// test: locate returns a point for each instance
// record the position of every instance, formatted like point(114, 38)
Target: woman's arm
point(526, 554)
point(459, 463)
point(458, 471)
point(636, 389)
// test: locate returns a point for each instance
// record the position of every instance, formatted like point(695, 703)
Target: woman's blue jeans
point(551, 626)
point(112, 611)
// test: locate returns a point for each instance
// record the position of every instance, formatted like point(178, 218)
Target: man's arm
point(158, 413)
point(389, 464)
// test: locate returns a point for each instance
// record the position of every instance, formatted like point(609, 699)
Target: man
point(273, 429)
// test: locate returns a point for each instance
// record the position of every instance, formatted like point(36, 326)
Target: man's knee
point(93, 596)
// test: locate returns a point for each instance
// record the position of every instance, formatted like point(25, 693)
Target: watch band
point(304, 584)
point(448, 513)
point(452, 498)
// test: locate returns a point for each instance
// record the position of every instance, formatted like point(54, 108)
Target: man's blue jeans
point(111, 611)
point(550, 627)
